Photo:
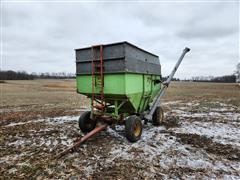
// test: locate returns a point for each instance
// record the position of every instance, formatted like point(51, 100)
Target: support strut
point(83, 139)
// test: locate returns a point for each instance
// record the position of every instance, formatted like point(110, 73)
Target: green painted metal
point(135, 90)
point(116, 108)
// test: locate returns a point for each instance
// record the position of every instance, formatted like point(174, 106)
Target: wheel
point(85, 123)
point(158, 115)
point(133, 128)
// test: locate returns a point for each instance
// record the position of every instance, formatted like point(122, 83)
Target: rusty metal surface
point(82, 140)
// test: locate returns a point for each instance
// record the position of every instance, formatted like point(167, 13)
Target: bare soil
point(199, 139)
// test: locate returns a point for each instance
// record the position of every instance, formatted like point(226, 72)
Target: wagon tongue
point(82, 140)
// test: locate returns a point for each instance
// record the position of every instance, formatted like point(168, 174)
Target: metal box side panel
point(113, 84)
point(113, 56)
point(139, 89)
point(119, 57)
point(110, 66)
point(140, 61)
point(115, 51)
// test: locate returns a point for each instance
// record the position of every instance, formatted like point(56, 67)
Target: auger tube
point(165, 85)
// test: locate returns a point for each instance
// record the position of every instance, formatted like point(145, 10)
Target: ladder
point(97, 79)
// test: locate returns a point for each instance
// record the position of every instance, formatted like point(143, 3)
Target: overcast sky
point(41, 37)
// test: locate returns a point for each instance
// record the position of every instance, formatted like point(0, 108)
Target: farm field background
point(199, 139)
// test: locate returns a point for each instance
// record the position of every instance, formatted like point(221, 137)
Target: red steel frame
point(94, 61)
point(82, 140)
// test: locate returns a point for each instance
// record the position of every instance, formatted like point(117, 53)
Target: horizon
point(41, 36)
point(67, 73)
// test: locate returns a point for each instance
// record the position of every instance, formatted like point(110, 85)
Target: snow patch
point(52, 121)
point(171, 102)
point(61, 119)
point(220, 132)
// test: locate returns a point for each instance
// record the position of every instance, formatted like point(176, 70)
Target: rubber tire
point(158, 116)
point(85, 123)
point(129, 128)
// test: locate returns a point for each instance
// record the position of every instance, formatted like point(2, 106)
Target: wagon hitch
point(82, 140)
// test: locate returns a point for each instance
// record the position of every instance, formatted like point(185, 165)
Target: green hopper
point(125, 86)
point(122, 81)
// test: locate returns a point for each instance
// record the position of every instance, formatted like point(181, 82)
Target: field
point(200, 138)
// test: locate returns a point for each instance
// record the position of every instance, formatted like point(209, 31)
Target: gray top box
point(121, 57)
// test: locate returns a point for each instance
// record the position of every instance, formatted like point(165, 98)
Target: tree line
point(23, 75)
point(223, 79)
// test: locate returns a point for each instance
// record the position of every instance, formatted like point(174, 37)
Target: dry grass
point(62, 93)
point(29, 145)
point(58, 93)
point(54, 85)
point(188, 91)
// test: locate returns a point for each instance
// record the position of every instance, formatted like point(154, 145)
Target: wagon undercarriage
point(125, 86)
